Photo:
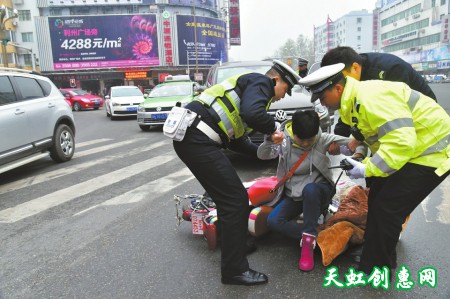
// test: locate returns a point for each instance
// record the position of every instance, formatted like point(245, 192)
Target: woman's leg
point(282, 219)
point(316, 198)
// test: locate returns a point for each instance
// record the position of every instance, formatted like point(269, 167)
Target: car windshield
point(125, 92)
point(169, 90)
point(79, 92)
point(225, 73)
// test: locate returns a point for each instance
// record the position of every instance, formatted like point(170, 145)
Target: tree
point(301, 47)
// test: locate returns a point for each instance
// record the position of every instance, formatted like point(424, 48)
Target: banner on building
point(83, 42)
point(235, 23)
point(211, 40)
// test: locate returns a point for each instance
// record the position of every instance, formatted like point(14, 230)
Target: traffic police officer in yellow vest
point(408, 134)
point(225, 112)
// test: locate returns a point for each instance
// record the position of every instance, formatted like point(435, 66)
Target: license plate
point(159, 116)
point(131, 108)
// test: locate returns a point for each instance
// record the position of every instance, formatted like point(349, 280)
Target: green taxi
point(175, 89)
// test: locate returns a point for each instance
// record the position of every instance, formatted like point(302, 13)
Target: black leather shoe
point(248, 278)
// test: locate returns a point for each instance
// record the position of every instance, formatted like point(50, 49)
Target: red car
point(81, 99)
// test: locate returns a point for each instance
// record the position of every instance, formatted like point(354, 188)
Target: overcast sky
point(267, 24)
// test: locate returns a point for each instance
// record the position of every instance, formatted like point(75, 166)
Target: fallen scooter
point(201, 211)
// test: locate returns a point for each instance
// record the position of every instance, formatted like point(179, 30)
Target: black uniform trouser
point(390, 201)
point(217, 175)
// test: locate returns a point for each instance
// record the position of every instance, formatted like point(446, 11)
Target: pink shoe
point(308, 243)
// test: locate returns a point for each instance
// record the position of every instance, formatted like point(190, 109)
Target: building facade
point(418, 32)
point(94, 44)
point(355, 29)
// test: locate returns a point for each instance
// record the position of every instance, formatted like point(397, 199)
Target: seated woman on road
point(310, 189)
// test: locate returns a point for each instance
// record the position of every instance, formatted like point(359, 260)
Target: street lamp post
point(33, 55)
point(3, 30)
point(195, 39)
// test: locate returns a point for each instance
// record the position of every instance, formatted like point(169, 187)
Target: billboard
point(211, 40)
point(83, 42)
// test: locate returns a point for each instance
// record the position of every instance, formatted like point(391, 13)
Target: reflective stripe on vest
point(401, 123)
point(437, 147)
point(226, 103)
point(381, 164)
point(396, 123)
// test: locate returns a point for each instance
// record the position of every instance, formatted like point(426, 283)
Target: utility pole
point(3, 37)
point(195, 39)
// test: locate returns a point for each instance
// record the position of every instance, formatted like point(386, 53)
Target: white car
point(35, 120)
point(123, 101)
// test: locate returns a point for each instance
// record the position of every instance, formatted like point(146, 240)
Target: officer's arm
point(254, 99)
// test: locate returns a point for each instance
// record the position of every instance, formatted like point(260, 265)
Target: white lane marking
point(443, 216)
point(48, 201)
point(86, 143)
point(103, 148)
point(148, 191)
point(72, 169)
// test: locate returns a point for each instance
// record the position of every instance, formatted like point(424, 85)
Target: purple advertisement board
point(83, 42)
point(211, 40)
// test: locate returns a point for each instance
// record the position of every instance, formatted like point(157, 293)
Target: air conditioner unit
point(422, 30)
point(395, 24)
point(416, 15)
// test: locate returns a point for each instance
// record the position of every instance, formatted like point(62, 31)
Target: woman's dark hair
point(305, 124)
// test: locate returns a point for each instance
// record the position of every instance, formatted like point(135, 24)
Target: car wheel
point(144, 128)
point(63, 146)
point(96, 108)
point(107, 113)
point(76, 106)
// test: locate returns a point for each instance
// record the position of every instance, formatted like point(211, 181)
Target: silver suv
point(281, 110)
point(35, 120)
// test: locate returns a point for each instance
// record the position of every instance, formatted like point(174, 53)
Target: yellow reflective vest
point(400, 126)
point(224, 100)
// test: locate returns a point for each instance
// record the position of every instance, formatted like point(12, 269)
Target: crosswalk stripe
point(148, 191)
point(48, 201)
point(103, 148)
point(91, 142)
point(29, 181)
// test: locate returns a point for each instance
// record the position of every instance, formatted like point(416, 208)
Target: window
point(29, 88)
point(132, 9)
point(7, 94)
point(433, 3)
point(443, 2)
point(27, 59)
point(24, 15)
point(358, 20)
point(55, 11)
point(359, 29)
point(358, 38)
point(27, 37)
